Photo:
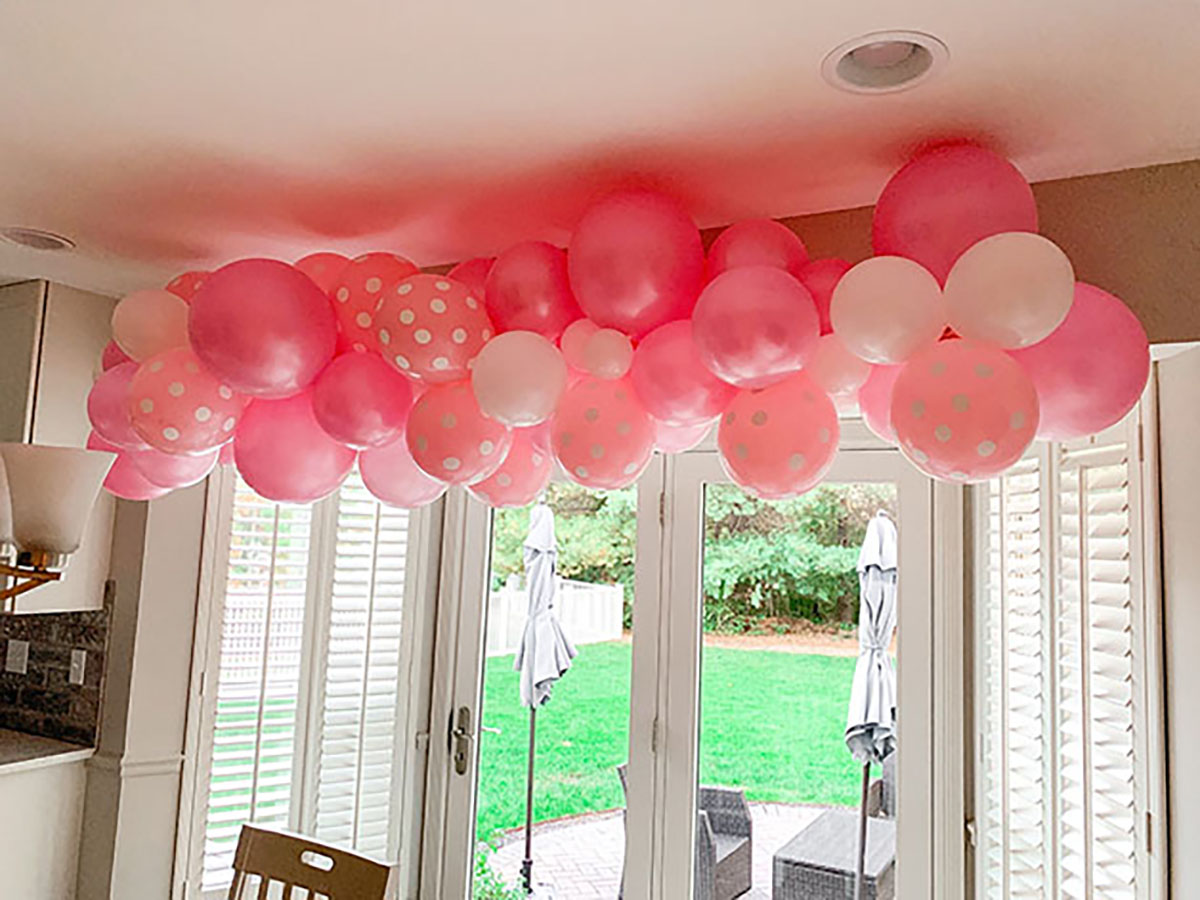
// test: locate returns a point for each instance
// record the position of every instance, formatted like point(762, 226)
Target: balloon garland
point(962, 339)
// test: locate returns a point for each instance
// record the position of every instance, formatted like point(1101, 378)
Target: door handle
point(461, 736)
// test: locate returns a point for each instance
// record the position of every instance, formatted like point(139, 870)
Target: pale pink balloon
point(393, 476)
point(473, 273)
point(1091, 370)
point(602, 435)
point(779, 442)
point(450, 437)
point(430, 327)
point(820, 277)
point(755, 325)
point(185, 286)
point(671, 380)
point(523, 475)
point(835, 369)
point(528, 290)
point(323, 268)
point(148, 322)
point(361, 401)
point(607, 354)
point(113, 356)
point(964, 411)
point(947, 199)
point(262, 328)
point(574, 342)
point(887, 308)
point(173, 470)
point(108, 406)
point(636, 262)
point(875, 401)
point(757, 242)
point(126, 481)
point(358, 293)
point(518, 378)
point(176, 406)
point(679, 438)
point(284, 454)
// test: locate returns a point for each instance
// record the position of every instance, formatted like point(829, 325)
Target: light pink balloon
point(113, 356)
point(779, 442)
point(473, 273)
point(518, 378)
point(574, 342)
point(523, 475)
point(607, 354)
point(820, 277)
point(450, 437)
point(148, 322)
point(947, 199)
point(323, 268)
point(358, 293)
point(361, 401)
point(430, 327)
point(755, 325)
point(835, 369)
point(393, 476)
point(679, 438)
point(528, 290)
point(124, 480)
point(173, 470)
point(285, 456)
point(262, 328)
point(964, 411)
point(636, 262)
point(875, 401)
point(672, 382)
point(108, 406)
point(1091, 370)
point(177, 407)
point(757, 242)
point(602, 435)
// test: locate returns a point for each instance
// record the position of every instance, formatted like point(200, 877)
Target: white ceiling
point(166, 136)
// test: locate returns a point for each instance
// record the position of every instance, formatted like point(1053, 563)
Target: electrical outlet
point(16, 660)
point(78, 666)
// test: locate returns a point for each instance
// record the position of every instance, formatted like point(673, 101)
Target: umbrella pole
point(862, 833)
point(527, 863)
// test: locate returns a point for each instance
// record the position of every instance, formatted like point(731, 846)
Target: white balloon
point(146, 323)
point(574, 342)
point(836, 369)
point(608, 354)
point(1010, 289)
point(518, 378)
point(887, 308)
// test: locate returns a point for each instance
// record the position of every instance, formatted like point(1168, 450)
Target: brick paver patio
point(580, 858)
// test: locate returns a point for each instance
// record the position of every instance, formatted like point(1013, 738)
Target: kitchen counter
point(20, 752)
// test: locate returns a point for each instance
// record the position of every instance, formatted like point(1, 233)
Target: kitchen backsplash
point(43, 701)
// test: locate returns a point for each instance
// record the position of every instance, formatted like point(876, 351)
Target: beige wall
point(40, 815)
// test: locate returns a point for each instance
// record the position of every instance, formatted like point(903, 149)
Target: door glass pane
point(779, 789)
point(582, 733)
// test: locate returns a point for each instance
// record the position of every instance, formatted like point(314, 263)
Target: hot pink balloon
point(124, 480)
point(473, 273)
point(755, 325)
point(113, 356)
point(528, 290)
point(358, 293)
point(875, 401)
point(323, 268)
point(1091, 370)
point(757, 242)
point(679, 438)
point(173, 470)
point(672, 382)
point(779, 442)
point(820, 277)
point(430, 327)
point(451, 439)
point(602, 435)
point(108, 406)
point(964, 411)
point(285, 456)
point(636, 262)
point(262, 328)
point(523, 475)
point(393, 476)
point(177, 407)
point(361, 401)
point(185, 286)
point(947, 199)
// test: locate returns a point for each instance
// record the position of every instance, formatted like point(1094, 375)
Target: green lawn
point(772, 724)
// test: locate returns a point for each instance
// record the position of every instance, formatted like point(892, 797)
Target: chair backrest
point(295, 862)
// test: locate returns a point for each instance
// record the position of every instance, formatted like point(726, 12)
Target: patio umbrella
point(545, 652)
point(871, 721)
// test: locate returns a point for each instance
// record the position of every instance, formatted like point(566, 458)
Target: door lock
point(461, 737)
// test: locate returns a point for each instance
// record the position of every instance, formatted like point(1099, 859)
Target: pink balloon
point(185, 286)
point(262, 328)
point(636, 262)
point(430, 327)
point(835, 369)
point(1091, 370)
point(173, 470)
point(95, 442)
point(523, 475)
point(574, 343)
point(755, 325)
point(820, 277)
point(679, 438)
point(393, 476)
point(451, 439)
point(875, 401)
point(947, 199)
point(602, 435)
point(528, 290)
point(124, 480)
point(108, 406)
point(473, 273)
point(672, 382)
point(757, 242)
point(177, 407)
point(113, 356)
point(964, 411)
point(148, 322)
point(322, 268)
point(225, 457)
point(607, 354)
point(361, 401)
point(358, 293)
point(285, 456)
point(779, 442)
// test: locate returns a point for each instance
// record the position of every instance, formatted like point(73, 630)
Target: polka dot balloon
point(185, 286)
point(602, 434)
point(779, 442)
point(524, 474)
point(430, 326)
point(451, 439)
point(177, 407)
point(359, 291)
point(964, 411)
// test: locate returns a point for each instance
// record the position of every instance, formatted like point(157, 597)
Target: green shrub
point(488, 885)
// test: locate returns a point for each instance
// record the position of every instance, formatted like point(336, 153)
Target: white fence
point(589, 614)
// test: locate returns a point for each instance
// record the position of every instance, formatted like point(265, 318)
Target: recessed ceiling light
point(36, 239)
point(884, 61)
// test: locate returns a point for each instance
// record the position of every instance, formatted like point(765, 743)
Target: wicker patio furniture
point(723, 842)
point(818, 863)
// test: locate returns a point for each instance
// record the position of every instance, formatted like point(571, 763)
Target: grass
point(772, 724)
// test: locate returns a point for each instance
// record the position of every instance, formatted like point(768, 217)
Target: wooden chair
point(299, 864)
